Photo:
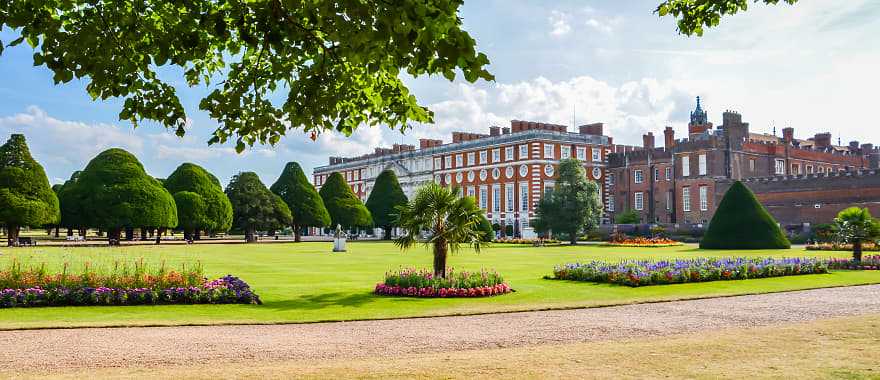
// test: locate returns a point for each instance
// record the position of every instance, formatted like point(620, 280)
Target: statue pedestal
point(339, 244)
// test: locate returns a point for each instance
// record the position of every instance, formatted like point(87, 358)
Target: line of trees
point(115, 195)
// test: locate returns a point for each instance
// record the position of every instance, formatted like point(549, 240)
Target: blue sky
point(812, 66)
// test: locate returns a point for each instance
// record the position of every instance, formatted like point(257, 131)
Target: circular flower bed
point(643, 242)
point(423, 283)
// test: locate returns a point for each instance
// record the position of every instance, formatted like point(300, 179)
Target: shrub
point(741, 222)
point(423, 283)
point(647, 272)
point(629, 216)
point(867, 263)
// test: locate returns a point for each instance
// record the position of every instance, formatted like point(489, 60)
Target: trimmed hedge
point(741, 222)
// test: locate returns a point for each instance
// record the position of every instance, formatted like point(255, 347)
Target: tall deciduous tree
point(201, 203)
point(574, 206)
point(26, 199)
point(855, 226)
point(450, 219)
point(300, 195)
point(694, 15)
point(384, 199)
point(254, 207)
point(114, 192)
point(339, 61)
point(343, 205)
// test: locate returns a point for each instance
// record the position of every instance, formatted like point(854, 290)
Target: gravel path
point(45, 350)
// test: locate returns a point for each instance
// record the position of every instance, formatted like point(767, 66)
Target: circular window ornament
point(471, 176)
point(448, 178)
point(548, 170)
point(483, 174)
point(597, 173)
point(496, 173)
point(509, 172)
point(523, 170)
point(458, 177)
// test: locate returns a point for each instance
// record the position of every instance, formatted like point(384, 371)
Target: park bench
point(26, 241)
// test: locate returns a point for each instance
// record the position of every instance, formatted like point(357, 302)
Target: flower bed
point(646, 272)
point(124, 285)
point(643, 242)
point(867, 263)
point(867, 247)
point(526, 241)
point(423, 283)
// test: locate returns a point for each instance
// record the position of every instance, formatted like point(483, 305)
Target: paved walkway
point(45, 350)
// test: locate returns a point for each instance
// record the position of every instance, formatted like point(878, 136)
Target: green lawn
point(306, 283)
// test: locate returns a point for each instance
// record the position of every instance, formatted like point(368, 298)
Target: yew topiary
point(741, 222)
point(206, 207)
point(306, 205)
point(343, 205)
point(26, 199)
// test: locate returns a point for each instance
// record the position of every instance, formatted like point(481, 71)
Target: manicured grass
point(306, 283)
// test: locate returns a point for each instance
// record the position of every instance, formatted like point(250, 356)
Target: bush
point(867, 263)
point(486, 227)
point(423, 283)
point(741, 222)
point(646, 272)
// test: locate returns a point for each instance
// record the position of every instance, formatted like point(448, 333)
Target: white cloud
point(605, 26)
point(559, 23)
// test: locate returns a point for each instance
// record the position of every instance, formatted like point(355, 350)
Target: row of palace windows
point(522, 152)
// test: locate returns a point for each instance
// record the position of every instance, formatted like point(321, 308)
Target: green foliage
point(629, 216)
point(343, 205)
point(450, 219)
point(115, 192)
point(574, 206)
point(487, 233)
point(824, 233)
point(254, 207)
point(694, 15)
point(301, 197)
point(340, 62)
point(26, 199)
point(212, 212)
point(384, 199)
point(855, 226)
point(741, 222)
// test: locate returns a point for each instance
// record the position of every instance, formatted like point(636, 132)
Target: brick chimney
point(648, 140)
point(669, 138)
point(788, 134)
point(505, 131)
point(822, 140)
point(591, 129)
point(494, 131)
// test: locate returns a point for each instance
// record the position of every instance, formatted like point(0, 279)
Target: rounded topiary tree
point(254, 207)
point(201, 203)
point(26, 199)
point(114, 192)
point(741, 222)
point(306, 206)
point(384, 199)
point(343, 205)
point(72, 215)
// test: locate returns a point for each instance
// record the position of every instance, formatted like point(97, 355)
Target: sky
point(812, 66)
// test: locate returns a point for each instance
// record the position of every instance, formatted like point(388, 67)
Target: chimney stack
point(648, 140)
point(669, 138)
point(505, 131)
point(788, 135)
point(822, 140)
point(591, 129)
point(494, 131)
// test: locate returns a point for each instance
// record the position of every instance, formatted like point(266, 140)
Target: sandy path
point(46, 350)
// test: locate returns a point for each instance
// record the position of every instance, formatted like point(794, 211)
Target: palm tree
point(855, 226)
point(450, 219)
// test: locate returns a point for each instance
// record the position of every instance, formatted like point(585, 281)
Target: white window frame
point(437, 163)
point(524, 196)
point(701, 161)
point(685, 165)
point(638, 176)
point(523, 151)
point(752, 165)
point(597, 154)
point(656, 174)
point(668, 173)
point(496, 198)
point(809, 169)
point(795, 168)
point(471, 159)
point(484, 197)
point(611, 204)
point(508, 197)
point(496, 155)
point(780, 167)
point(548, 151)
point(639, 201)
point(483, 157)
point(459, 160)
point(508, 153)
point(669, 200)
point(471, 191)
point(447, 161)
point(704, 198)
point(565, 152)
point(686, 199)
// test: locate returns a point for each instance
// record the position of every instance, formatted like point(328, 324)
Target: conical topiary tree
point(343, 205)
point(306, 206)
point(114, 192)
point(254, 207)
point(384, 199)
point(201, 203)
point(741, 222)
point(26, 199)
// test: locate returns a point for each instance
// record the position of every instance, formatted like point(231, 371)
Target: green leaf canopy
point(741, 222)
point(114, 192)
point(203, 204)
point(254, 207)
point(26, 199)
point(305, 204)
point(343, 205)
point(384, 199)
point(574, 206)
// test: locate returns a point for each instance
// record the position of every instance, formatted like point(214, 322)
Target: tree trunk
point(297, 233)
point(187, 234)
point(387, 233)
point(249, 235)
point(113, 236)
point(69, 231)
point(83, 231)
point(857, 251)
point(197, 235)
point(129, 233)
point(56, 231)
point(143, 233)
point(159, 234)
point(12, 235)
point(440, 251)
